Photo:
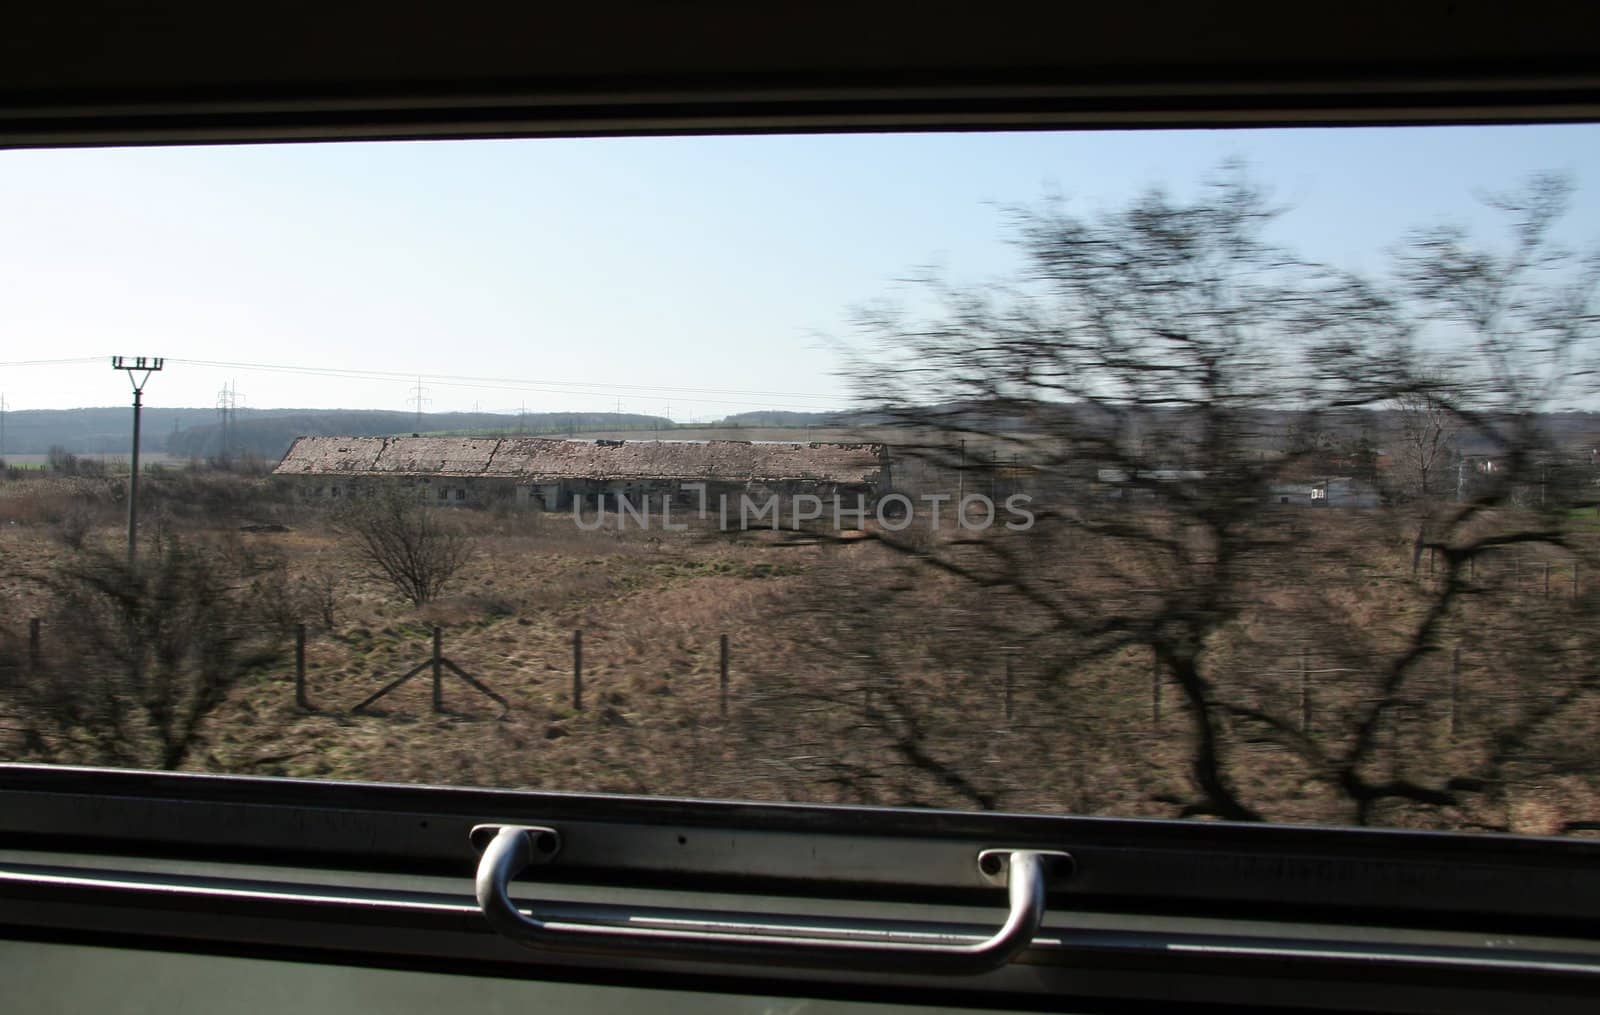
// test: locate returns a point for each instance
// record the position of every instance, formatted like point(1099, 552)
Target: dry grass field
point(857, 674)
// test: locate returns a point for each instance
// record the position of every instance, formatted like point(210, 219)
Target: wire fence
point(1294, 687)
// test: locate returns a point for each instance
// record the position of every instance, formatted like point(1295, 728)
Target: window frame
point(1210, 912)
point(178, 76)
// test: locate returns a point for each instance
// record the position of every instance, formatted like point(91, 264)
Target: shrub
point(141, 654)
point(405, 543)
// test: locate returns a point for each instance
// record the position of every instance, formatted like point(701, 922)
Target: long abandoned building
point(556, 475)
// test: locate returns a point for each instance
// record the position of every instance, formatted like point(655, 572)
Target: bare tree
point(1136, 368)
point(1521, 323)
point(1426, 435)
point(405, 543)
point(142, 655)
point(1134, 365)
point(1425, 441)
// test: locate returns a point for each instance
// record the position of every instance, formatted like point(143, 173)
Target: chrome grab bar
point(513, 848)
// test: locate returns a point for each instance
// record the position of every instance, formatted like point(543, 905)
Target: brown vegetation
point(858, 675)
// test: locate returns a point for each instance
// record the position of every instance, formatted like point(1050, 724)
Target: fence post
point(1008, 686)
point(300, 667)
point(33, 644)
point(1455, 687)
point(722, 678)
point(438, 673)
point(1155, 687)
point(577, 670)
point(1305, 689)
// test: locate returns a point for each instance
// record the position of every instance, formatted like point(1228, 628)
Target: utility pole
point(417, 396)
point(228, 414)
point(961, 475)
point(222, 421)
point(139, 370)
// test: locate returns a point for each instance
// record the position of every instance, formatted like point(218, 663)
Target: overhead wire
point(469, 380)
point(603, 389)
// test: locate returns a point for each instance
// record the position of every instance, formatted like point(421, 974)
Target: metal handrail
point(514, 847)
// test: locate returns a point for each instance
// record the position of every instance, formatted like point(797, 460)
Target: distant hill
point(107, 431)
point(197, 433)
point(777, 418)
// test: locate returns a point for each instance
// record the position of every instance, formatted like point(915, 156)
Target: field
point(857, 674)
point(115, 462)
point(652, 607)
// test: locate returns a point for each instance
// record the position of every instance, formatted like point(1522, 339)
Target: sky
point(690, 277)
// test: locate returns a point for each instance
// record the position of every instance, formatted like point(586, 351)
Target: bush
point(405, 543)
point(142, 654)
point(75, 525)
point(318, 595)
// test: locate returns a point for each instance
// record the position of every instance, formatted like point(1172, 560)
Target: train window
point(999, 569)
point(1243, 476)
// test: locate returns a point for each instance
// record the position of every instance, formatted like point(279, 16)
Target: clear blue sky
point(592, 273)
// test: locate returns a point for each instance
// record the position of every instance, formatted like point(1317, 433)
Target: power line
point(51, 362)
point(525, 386)
point(758, 399)
point(503, 381)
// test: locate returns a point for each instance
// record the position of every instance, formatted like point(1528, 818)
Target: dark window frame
point(179, 76)
point(1214, 913)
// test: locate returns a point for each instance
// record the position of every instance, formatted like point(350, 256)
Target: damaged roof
point(541, 459)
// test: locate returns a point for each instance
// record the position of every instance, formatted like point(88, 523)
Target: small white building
point(1343, 491)
point(1294, 494)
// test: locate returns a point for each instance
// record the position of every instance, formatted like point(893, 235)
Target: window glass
point(1246, 475)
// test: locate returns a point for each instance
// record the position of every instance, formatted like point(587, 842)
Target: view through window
point(1250, 475)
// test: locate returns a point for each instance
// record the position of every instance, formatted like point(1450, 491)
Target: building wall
point(1349, 493)
point(585, 494)
point(437, 491)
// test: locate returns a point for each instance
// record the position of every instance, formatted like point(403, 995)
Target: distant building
point(1120, 483)
point(555, 475)
point(1337, 491)
point(1343, 491)
point(1296, 494)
